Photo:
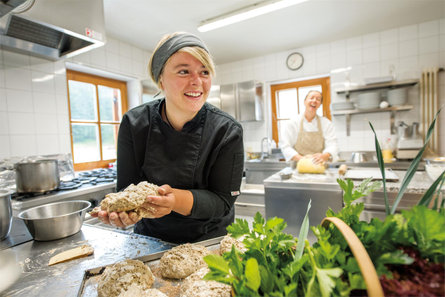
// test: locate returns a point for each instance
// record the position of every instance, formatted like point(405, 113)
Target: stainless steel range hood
point(53, 29)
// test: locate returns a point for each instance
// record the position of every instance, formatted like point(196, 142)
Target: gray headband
point(171, 46)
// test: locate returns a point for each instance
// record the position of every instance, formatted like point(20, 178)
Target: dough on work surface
point(130, 199)
point(136, 291)
point(119, 277)
point(194, 285)
point(182, 260)
point(78, 252)
point(305, 165)
point(204, 288)
point(227, 242)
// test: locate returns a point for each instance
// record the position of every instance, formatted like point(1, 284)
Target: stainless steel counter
point(288, 198)
point(64, 279)
point(396, 165)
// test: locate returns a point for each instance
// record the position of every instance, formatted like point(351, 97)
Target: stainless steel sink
point(259, 169)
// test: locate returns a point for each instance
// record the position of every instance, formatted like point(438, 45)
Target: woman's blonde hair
point(196, 51)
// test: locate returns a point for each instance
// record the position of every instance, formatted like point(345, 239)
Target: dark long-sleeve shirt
point(206, 157)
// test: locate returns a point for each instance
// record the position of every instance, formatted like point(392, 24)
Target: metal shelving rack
point(392, 109)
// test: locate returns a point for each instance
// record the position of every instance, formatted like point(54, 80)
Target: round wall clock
point(294, 61)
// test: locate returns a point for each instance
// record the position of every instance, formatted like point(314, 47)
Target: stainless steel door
point(246, 101)
point(228, 99)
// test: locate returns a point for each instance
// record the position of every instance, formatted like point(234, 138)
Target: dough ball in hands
point(118, 278)
point(182, 260)
point(121, 201)
point(305, 165)
point(130, 199)
point(228, 241)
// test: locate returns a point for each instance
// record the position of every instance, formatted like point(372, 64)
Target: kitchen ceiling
point(143, 22)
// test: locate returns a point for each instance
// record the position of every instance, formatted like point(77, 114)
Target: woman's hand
point(320, 158)
point(118, 219)
point(161, 205)
point(297, 157)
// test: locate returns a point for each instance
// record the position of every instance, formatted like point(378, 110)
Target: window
point(96, 106)
point(288, 101)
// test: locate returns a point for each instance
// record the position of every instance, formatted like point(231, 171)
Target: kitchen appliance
point(52, 29)
point(55, 220)
point(243, 100)
point(409, 141)
point(89, 186)
point(5, 213)
point(36, 176)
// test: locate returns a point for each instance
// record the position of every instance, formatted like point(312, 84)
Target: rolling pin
point(342, 169)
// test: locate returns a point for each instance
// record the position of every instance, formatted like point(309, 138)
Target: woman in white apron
point(309, 135)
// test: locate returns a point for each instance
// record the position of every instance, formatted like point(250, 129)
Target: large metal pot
point(37, 176)
point(5, 213)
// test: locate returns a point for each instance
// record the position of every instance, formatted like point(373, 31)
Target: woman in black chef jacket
point(194, 150)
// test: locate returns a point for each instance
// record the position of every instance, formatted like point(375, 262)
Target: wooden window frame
point(325, 83)
point(96, 80)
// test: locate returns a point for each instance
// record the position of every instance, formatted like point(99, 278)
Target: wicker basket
point(367, 268)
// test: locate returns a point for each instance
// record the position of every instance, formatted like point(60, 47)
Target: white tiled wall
point(34, 106)
point(408, 49)
point(33, 95)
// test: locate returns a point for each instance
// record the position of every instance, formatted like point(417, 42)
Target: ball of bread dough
point(119, 277)
point(204, 288)
point(305, 165)
point(182, 260)
point(194, 285)
point(136, 291)
point(130, 199)
point(227, 242)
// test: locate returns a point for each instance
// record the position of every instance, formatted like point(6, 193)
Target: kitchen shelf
point(357, 111)
point(386, 85)
point(392, 109)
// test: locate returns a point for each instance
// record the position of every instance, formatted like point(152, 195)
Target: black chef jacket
point(206, 157)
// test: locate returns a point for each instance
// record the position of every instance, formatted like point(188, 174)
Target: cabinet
point(392, 109)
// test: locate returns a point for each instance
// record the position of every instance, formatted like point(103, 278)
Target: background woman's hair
point(314, 91)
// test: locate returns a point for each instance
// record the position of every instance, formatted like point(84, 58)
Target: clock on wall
point(294, 61)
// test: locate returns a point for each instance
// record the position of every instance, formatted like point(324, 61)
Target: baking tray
point(170, 287)
point(362, 173)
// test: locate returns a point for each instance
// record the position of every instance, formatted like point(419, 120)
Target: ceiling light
point(246, 13)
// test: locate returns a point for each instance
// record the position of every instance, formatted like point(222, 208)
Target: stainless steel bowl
point(5, 213)
point(55, 220)
point(362, 157)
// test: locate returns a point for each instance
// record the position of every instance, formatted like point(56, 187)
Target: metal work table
point(64, 279)
point(289, 198)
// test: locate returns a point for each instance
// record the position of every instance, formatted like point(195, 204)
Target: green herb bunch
point(277, 264)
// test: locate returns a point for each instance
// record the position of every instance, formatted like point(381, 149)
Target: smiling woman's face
point(186, 83)
point(312, 101)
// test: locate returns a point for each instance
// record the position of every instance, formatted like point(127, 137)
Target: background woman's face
point(313, 101)
point(186, 83)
